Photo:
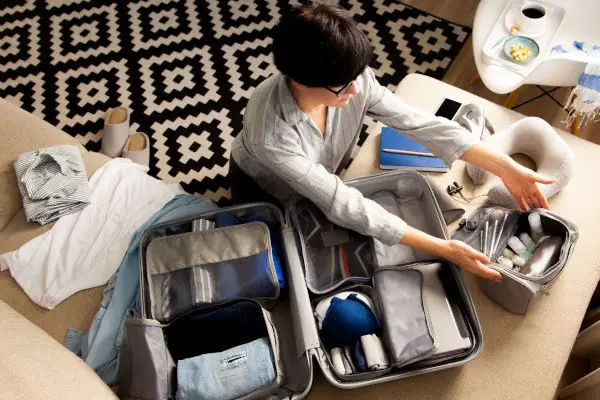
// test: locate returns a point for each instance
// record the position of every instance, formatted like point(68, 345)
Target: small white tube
point(535, 223)
point(518, 247)
point(518, 261)
point(505, 262)
point(508, 253)
point(527, 241)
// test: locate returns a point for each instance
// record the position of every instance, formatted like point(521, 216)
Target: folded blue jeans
point(226, 375)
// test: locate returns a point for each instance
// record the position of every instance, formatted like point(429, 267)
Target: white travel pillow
point(535, 138)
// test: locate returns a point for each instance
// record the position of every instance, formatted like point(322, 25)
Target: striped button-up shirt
point(284, 151)
point(52, 182)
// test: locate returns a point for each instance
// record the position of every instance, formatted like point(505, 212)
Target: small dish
point(511, 19)
point(526, 42)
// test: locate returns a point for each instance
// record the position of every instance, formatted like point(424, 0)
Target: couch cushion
point(33, 366)
point(21, 132)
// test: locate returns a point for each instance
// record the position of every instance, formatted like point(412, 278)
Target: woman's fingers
point(521, 203)
point(486, 272)
point(533, 201)
point(543, 201)
point(477, 255)
point(541, 179)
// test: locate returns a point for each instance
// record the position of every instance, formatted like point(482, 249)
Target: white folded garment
point(348, 357)
point(337, 359)
point(84, 249)
point(374, 352)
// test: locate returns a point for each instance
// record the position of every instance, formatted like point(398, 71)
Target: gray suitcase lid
point(414, 193)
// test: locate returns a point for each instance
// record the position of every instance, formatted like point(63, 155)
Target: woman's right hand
point(469, 259)
point(454, 251)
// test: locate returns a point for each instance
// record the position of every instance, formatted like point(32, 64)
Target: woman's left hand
point(523, 184)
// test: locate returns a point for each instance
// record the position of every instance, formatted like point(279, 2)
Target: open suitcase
point(175, 315)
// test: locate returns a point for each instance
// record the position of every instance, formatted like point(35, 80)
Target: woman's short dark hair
point(320, 45)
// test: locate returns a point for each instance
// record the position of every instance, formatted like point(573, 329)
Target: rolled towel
point(338, 361)
point(347, 366)
point(348, 356)
point(374, 352)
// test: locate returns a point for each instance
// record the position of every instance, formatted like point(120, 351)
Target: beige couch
point(523, 356)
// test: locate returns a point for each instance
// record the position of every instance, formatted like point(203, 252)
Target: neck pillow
point(535, 138)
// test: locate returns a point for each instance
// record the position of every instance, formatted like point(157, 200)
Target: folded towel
point(584, 100)
point(338, 361)
point(347, 366)
point(374, 352)
point(348, 356)
point(52, 182)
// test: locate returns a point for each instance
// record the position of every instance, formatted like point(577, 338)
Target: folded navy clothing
point(358, 355)
point(215, 331)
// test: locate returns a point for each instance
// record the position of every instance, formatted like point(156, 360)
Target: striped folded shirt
point(52, 182)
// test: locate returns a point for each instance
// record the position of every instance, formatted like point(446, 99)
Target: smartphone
point(448, 109)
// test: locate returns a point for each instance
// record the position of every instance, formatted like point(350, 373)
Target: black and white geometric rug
point(185, 68)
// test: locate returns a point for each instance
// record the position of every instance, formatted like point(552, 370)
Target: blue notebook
point(391, 139)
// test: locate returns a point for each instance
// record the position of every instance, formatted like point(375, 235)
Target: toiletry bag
point(517, 290)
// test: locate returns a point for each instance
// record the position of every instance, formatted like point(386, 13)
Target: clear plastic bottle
point(535, 223)
point(519, 248)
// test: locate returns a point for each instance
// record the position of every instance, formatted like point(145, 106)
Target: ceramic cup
point(533, 17)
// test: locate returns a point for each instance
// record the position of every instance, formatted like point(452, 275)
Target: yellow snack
point(520, 52)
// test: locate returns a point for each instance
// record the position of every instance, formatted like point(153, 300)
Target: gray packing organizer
point(406, 194)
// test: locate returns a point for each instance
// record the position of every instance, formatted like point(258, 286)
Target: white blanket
point(84, 249)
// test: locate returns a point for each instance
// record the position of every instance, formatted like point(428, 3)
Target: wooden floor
point(463, 70)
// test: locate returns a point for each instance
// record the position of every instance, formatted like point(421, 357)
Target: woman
point(299, 124)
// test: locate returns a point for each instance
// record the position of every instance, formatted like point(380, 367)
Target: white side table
point(581, 23)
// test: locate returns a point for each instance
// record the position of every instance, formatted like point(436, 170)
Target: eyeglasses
point(340, 92)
